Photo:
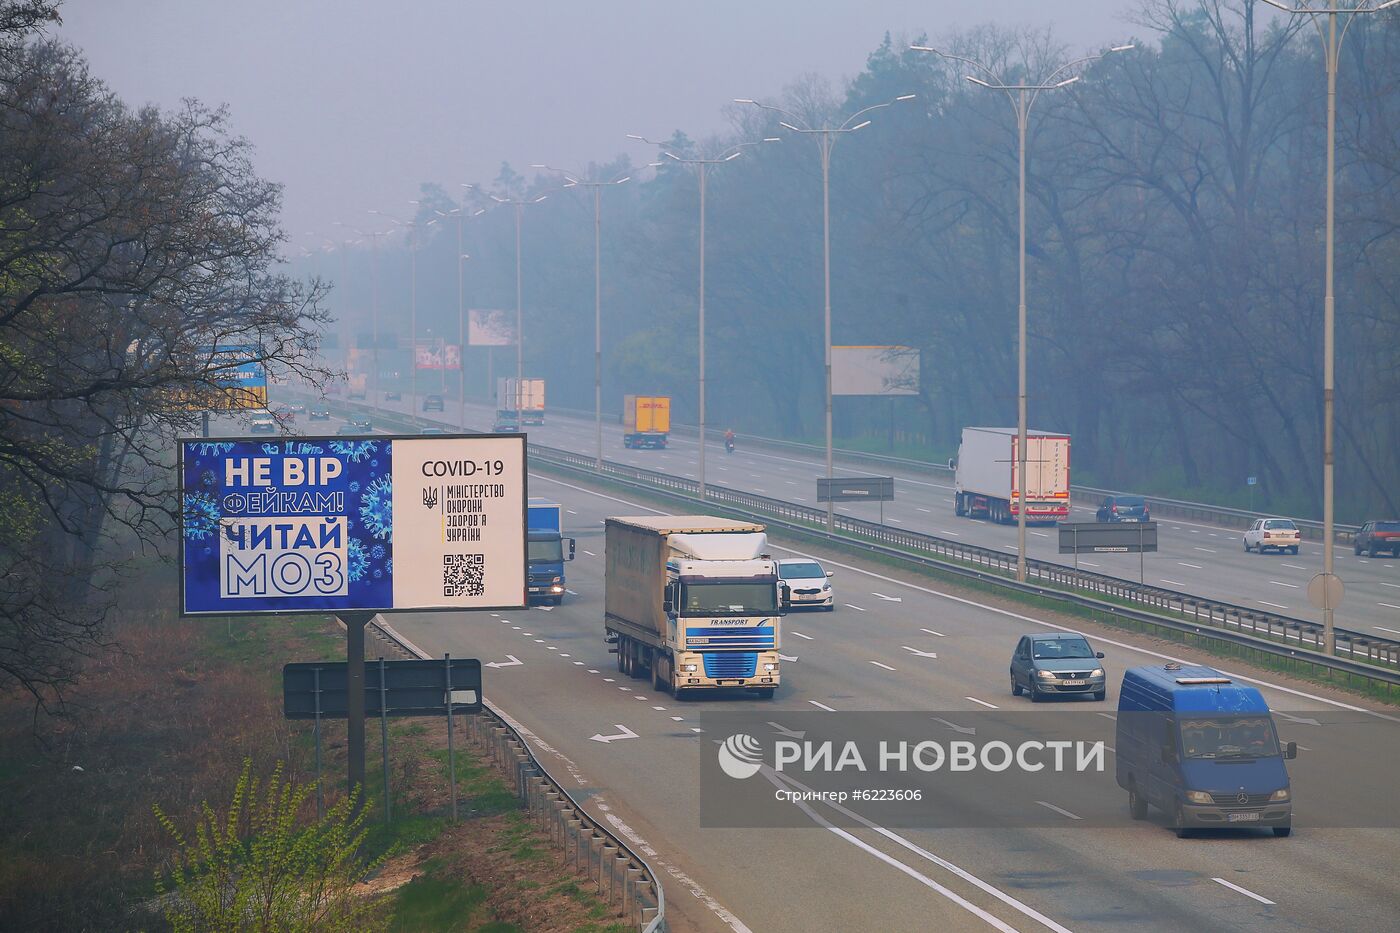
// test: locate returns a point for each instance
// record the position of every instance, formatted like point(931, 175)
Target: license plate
point(1251, 817)
point(1127, 519)
point(1073, 683)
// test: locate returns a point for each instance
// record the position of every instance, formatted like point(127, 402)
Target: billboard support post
point(451, 751)
point(384, 737)
point(316, 730)
point(204, 424)
point(355, 623)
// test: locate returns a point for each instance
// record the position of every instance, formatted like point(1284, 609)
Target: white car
point(808, 584)
point(1277, 533)
point(263, 424)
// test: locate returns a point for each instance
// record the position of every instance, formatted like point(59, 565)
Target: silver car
point(809, 586)
point(1062, 663)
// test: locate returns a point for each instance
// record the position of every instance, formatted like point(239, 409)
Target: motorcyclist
point(729, 440)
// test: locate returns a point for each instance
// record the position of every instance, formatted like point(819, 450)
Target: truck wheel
point(660, 674)
point(621, 647)
point(1137, 806)
point(958, 509)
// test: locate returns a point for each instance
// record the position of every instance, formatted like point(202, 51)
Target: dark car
point(432, 431)
point(392, 396)
point(1123, 509)
point(319, 413)
point(432, 403)
point(1378, 536)
point(1046, 665)
point(297, 408)
point(348, 429)
point(362, 425)
point(506, 424)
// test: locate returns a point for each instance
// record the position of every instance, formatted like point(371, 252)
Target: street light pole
point(702, 167)
point(1022, 97)
point(571, 181)
point(826, 141)
point(1332, 50)
point(519, 204)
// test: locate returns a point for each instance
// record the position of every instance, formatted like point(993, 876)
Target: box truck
point(646, 420)
point(693, 600)
point(356, 386)
point(527, 398)
point(985, 483)
point(545, 549)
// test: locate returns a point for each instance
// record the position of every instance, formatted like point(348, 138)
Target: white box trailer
point(531, 398)
point(985, 480)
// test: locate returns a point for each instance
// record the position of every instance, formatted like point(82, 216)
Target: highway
point(635, 755)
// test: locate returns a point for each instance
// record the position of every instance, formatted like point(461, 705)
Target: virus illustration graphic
point(212, 448)
point(208, 478)
point(378, 574)
point(359, 563)
point(302, 448)
point(354, 485)
point(377, 509)
point(269, 448)
point(377, 552)
point(354, 451)
point(201, 515)
point(389, 566)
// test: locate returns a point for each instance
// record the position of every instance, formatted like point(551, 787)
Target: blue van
point(1202, 749)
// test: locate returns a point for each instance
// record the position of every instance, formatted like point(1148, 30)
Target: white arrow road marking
point(885, 666)
point(888, 599)
point(626, 733)
point(800, 635)
point(983, 702)
point(965, 730)
point(922, 654)
point(590, 554)
point(784, 730)
point(856, 608)
point(570, 592)
point(783, 657)
point(1298, 719)
point(1062, 812)
point(511, 663)
point(1245, 891)
point(932, 632)
point(821, 706)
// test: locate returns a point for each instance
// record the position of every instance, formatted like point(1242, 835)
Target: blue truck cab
point(1202, 749)
point(545, 548)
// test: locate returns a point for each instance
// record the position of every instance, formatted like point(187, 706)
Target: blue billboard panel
point(339, 524)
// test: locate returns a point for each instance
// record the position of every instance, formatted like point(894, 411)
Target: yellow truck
point(646, 420)
point(694, 602)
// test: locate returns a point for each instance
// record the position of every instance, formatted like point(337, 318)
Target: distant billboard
point(874, 371)
point(238, 381)
point(333, 524)
point(490, 328)
point(436, 355)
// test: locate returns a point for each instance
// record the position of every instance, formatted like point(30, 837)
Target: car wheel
point(1036, 695)
point(1247, 548)
point(1137, 805)
point(1283, 832)
point(1179, 822)
point(1015, 687)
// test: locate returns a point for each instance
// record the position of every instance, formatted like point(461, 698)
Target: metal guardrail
point(1223, 515)
point(619, 873)
point(1381, 655)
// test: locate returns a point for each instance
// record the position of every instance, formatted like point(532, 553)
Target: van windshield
point(1233, 737)
point(734, 599)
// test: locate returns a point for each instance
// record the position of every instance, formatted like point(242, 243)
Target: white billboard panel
point(489, 327)
point(874, 371)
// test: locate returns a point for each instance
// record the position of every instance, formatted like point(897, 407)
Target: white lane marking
point(678, 719)
point(695, 729)
point(1059, 810)
point(1245, 891)
point(1265, 602)
point(590, 553)
point(571, 511)
point(627, 689)
point(1040, 534)
point(888, 599)
point(783, 657)
point(917, 653)
point(821, 706)
point(638, 696)
point(1208, 550)
point(1023, 618)
point(983, 702)
point(943, 531)
point(1393, 586)
point(1107, 716)
point(932, 632)
point(1192, 566)
point(563, 655)
point(1172, 582)
point(800, 635)
point(570, 592)
point(515, 628)
point(1383, 628)
point(1301, 720)
point(1291, 586)
point(546, 608)
point(855, 607)
point(885, 666)
point(658, 707)
point(1089, 563)
point(539, 641)
point(511, 663)
point(609, 680)
point(1296, 567)
point(925, 511)
point(579, 663)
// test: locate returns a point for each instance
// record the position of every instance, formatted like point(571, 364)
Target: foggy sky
point(352, 103)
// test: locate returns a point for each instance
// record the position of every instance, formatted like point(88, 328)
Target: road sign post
point(857, 489)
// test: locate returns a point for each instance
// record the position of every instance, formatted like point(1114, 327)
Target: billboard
point(436, 355)
point(332, 524)
point(490, 328)
point(239, 381)
point(874, 371)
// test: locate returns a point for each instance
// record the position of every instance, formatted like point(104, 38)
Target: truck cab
point(1202, 749)
point(547, 550)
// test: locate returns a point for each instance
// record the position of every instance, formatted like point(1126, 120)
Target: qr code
point(463, 574)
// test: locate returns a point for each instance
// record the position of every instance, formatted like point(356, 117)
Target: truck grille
point(1234, 800)
point(759, 637)
point(730, 664)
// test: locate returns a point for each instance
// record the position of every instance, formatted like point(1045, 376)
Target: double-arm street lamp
point(414, 228)
point(460, 213)
point(826, 137)
point(1022, 98)
point(1332, 38)
point(519, 204)
point(571, 181)
point(702, 167)
point(374, 305)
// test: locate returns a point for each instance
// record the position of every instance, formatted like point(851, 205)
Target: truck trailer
point(545, 548)
point(646, 420)
point(694, 601)
point(985, 481)
point(523, 395)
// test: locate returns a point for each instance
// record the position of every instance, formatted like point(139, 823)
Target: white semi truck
point(985, 481)
point(694, 601)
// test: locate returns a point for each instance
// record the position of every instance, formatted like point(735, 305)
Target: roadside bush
point(261, 867)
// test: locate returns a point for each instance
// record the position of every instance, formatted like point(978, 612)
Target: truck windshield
point(737, 599)
point(551, 550)
point(1233, 737)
